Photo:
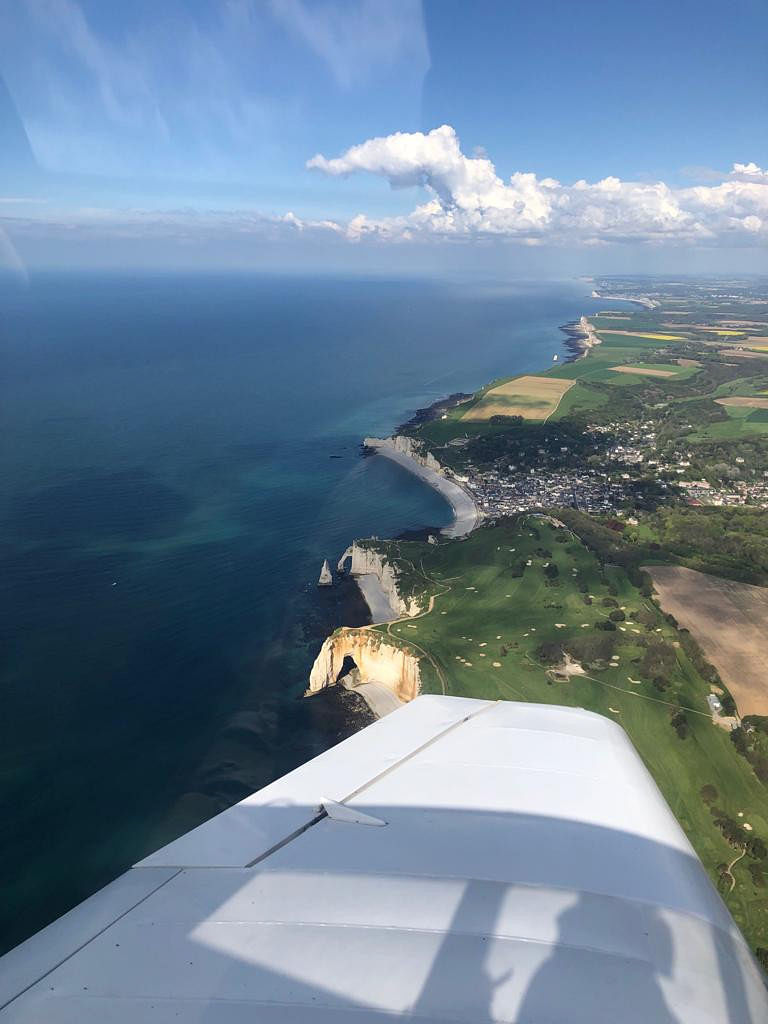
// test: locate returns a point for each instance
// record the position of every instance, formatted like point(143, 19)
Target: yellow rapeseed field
point(642, 334)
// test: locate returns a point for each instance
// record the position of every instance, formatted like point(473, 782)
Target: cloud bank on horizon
point(468, 199)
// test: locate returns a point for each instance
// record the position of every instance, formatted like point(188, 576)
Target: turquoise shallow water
point(178, 456)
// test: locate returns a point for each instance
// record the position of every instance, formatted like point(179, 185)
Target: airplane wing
point(460, 860)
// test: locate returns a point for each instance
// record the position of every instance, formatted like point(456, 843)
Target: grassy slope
point(508, 606)
point(740, 424)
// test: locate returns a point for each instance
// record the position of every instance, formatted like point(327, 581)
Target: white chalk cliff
point(377, 661)
point(366, 560)
point(407, 446)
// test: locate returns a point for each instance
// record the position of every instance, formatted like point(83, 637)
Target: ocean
point(178, 456)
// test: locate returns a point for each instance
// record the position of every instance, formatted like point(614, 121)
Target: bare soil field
point(730, 622)
point(688, 362)
point(752, 402)
point(741, 354)
point(643, 371)
point(533, 398)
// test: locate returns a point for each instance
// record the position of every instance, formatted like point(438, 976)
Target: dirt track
point(730, 622)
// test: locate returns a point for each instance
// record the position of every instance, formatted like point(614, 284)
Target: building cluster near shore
point(627, 456)
point(496, 494)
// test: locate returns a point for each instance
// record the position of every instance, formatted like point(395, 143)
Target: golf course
point(520, 612)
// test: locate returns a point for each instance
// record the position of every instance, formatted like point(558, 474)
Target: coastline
point(465, 512)
point(376, 597)
point(581, 338)
point(380, 697)
point(639, 300)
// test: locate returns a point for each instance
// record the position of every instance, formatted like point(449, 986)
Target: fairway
point(533, 398)
point(645, 371)
point(751, 402)
point(499, 602)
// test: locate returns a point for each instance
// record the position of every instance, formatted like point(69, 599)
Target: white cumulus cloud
point(749, 172)
point(468, 198)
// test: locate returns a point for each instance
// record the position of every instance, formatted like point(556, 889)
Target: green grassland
point(493, 633)
point(742, 422)
point(748, 386)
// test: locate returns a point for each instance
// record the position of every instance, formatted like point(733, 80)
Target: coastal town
point(628, 460)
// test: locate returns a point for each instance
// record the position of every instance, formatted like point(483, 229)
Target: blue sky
point(180, 133)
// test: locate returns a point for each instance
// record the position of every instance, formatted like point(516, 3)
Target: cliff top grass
point(513, 599)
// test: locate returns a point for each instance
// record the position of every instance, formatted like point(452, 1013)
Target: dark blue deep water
point(178, 455)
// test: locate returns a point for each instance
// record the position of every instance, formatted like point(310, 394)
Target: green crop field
point(741, 423)
point(580, 398)
point(495, 617)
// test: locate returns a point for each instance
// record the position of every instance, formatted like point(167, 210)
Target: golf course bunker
point(533, 398)
point(644, 371)
point(730, 622)
point(753, 402)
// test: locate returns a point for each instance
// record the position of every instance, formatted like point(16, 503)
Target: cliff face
point(376, 660)
point(408, 446)
point(366, 560)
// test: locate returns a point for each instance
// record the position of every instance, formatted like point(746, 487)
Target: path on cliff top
point(427, 611)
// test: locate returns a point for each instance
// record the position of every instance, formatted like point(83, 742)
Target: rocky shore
point(581, 337)
point(434, 411)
